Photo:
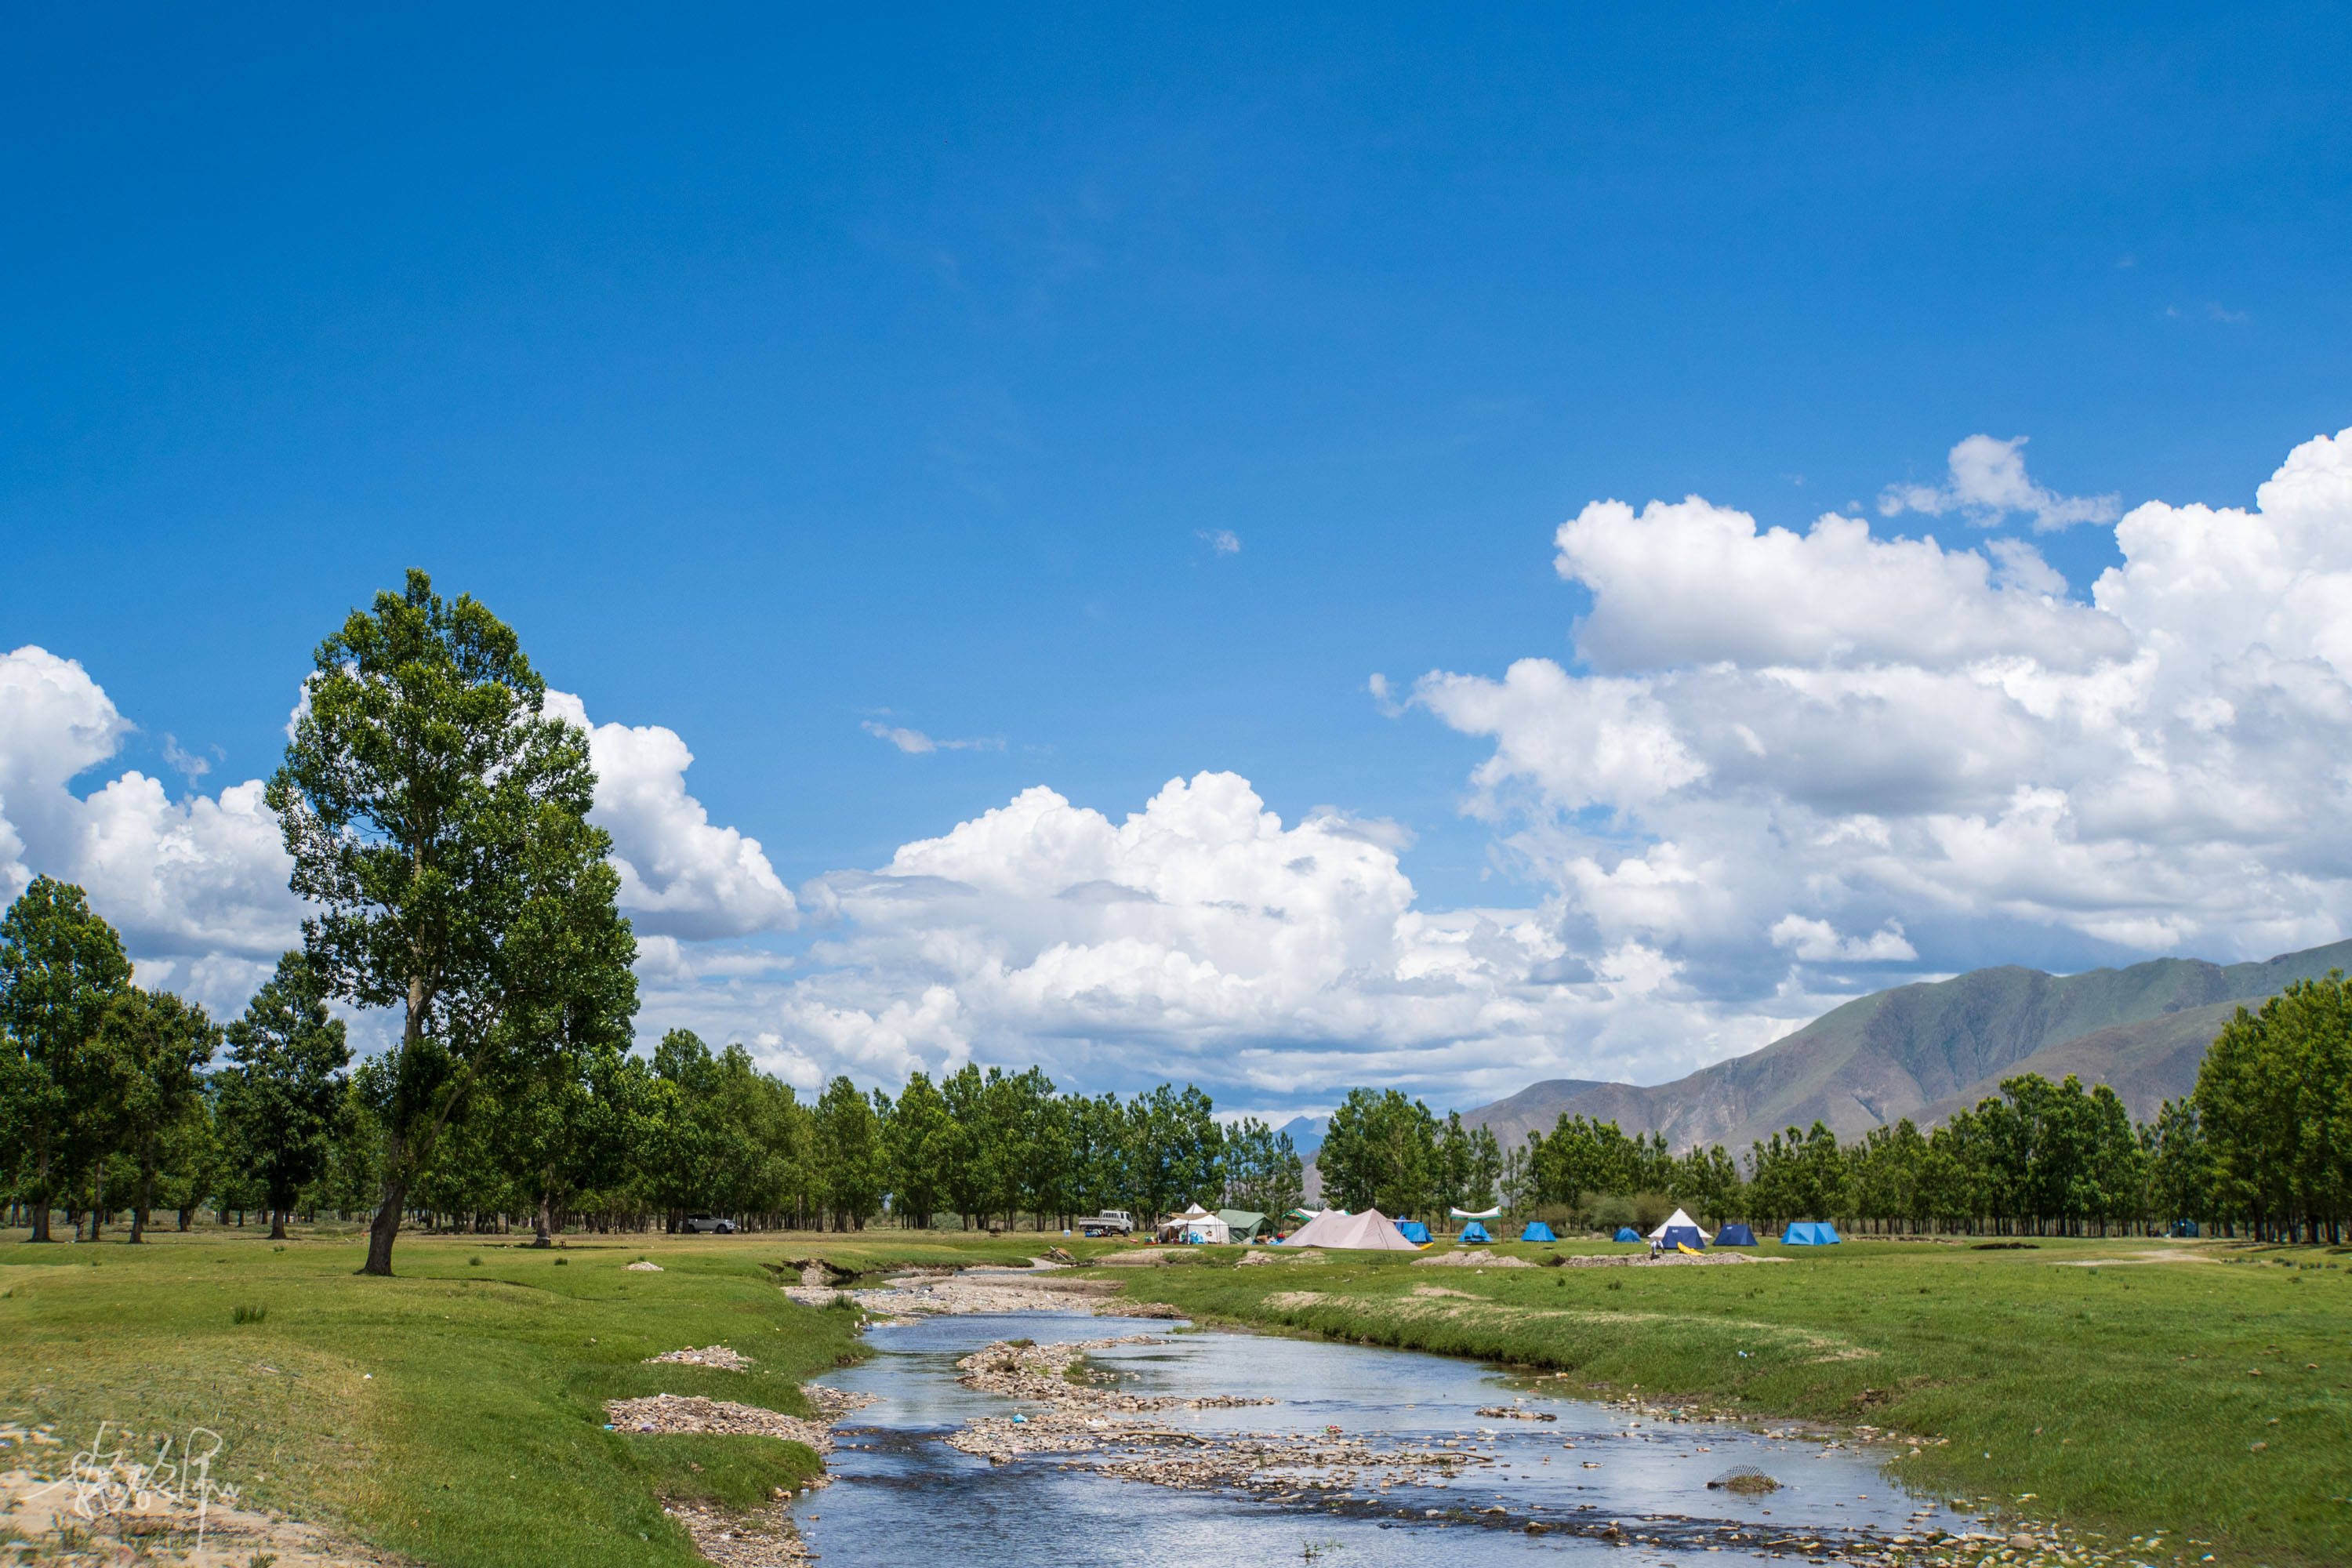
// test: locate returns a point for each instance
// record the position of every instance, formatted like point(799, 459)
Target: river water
point(902, 1495)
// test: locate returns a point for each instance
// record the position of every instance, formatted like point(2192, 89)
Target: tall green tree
point(550, 1129)
point(917, 1141)
point(156, 1046)
point(439, 819)
point(849, 1145)
point(1381, 1152)
point(286, 1088)
point(60, 967)
point(2274, 1101)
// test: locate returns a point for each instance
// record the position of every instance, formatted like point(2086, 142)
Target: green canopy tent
point(1245, 1224)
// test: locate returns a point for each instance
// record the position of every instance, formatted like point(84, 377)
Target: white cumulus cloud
point(1987, 482)
point(198, 886)
point(680, 873)
point(1779, 738)
point(1203, 938)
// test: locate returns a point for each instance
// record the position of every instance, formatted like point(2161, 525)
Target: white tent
point(1208, 1228)
point(1370, 1231)
point(1675, 1221)
point(1478, 1213)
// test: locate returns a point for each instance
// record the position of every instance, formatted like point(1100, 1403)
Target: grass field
point(2208, 1399)
point(455, 1413)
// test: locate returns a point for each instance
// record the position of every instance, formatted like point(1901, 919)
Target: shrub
point(247, 1314)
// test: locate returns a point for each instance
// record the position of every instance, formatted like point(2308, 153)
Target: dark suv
point(703, 1225)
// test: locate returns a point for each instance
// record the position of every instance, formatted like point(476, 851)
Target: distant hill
point(1924, 1051)
point(1305, 1133)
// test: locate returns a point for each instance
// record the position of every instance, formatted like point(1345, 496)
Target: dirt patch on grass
point(106, 1519)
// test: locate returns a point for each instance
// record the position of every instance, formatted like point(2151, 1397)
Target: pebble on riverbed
point(709, 1356)
point(682, 1413)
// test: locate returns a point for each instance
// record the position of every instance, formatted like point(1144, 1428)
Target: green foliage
point(1263, 1172)
point(440, 818)
point(850, 1153)
point(1381, 1152)
point(151, 1047)
point(286, 1094)
point(60, 969)
point(2274, 1110)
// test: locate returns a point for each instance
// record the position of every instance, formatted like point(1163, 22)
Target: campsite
point(2195, 1389)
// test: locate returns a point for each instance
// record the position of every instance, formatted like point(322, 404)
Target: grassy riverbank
point(2203, 1397)
point(454, 1414)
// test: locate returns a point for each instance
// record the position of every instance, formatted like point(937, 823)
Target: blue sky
point(785, 376)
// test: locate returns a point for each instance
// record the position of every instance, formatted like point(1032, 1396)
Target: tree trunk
point(276, 1223)
point(543, 1225)
point(41, 1189)
point(387, 1216)
point(98, 1199)
point(146, 1190)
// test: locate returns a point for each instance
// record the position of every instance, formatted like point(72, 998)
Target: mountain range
point(1927, 1050)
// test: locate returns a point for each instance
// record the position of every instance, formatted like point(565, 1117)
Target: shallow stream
point(903, 1496)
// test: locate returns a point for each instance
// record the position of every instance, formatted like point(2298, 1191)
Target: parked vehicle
point(704, 1224)
point(1111, 1222)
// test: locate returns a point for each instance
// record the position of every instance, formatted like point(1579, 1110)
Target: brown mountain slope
point(1925, 1050)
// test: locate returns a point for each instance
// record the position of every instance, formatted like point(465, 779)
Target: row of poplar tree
point(2261, 1146)
point(118, 1099)
point(111, 1101)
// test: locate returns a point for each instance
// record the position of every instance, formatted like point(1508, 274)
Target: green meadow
point(455, 1413)
point(2209, 1397)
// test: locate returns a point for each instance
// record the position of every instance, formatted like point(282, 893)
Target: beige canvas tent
point(1196, 1225)
point(1370, 1231)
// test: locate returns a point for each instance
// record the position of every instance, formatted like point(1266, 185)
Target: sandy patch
point(2137, 1258)
point(92, 1522)
point(1476, 1257)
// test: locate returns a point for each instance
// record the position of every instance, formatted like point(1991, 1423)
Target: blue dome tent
point(1735, 1235)
point(1412, 1230)
point(1626, 1233)
point(1810, 1233)
point(1472, 1232)
point(1537, 1231)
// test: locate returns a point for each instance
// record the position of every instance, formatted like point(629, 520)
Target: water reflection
point(903, 1497)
